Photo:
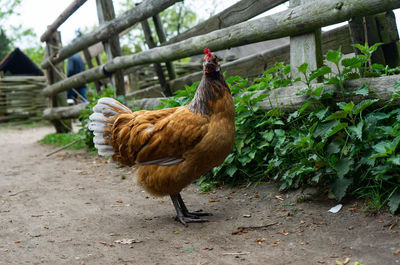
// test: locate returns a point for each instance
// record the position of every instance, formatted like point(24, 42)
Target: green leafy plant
point(347, 147)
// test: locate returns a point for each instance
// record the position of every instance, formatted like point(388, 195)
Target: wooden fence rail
point(289, 98)
point(254, 65)
point(237, 13)
point(62, 18)
point(146, 9)
point(297, 20)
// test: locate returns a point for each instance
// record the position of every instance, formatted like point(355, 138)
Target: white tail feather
point(101, 113)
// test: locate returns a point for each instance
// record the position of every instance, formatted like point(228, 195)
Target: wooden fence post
point(54, 74)
point(364, 30)
point(105, 12)
point(157, 66)
point(305, 48)
point(378, 28)
point(389, 35)
point(163, 39)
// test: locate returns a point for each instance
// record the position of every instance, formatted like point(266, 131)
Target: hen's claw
point(183, 215)
point(185, 220)
point(196, 214)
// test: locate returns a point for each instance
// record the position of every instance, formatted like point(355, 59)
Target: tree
point(175, 20)
point(5, 44)
point(7, 8)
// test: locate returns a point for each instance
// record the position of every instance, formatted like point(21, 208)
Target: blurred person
point(75, 66)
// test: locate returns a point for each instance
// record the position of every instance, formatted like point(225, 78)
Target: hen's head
point(211, 62)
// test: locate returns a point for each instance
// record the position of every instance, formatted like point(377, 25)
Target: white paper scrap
point(336, 208)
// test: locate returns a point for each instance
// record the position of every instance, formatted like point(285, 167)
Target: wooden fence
point(20, 97)
point(302, 21)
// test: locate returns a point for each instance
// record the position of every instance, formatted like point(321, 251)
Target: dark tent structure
point(17, 63)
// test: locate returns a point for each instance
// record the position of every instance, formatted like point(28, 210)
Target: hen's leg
point(186, 211)
point(182, 217)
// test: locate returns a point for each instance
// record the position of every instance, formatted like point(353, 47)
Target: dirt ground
point(71, 208)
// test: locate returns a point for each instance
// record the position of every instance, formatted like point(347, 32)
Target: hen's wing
point(156, 137)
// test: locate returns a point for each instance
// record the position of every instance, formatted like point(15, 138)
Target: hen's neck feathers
point(212, 87)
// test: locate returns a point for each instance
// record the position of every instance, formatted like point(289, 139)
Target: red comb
point(207, 51)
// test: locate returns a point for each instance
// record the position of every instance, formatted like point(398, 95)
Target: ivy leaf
point(363, 105)
point(354, 62)
point(385, 148)
point(267, 135)
point(333, 148)
point(342, 166)
point(324, 128)
point(336, 116)
point(337, 128)
point(394, 202)
point(303, 68)
point(378, 67)
point(321, 113)
point(357, 130)
point(231, 170)
point(334, 56)
point(340, 186)
point(395, 160)
point(334, 80)
point(320, 72)
point(317, 92)
point(346, 107)
point(304, 107)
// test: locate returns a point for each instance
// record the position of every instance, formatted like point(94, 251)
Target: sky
point(32, 15)
point(38, 14)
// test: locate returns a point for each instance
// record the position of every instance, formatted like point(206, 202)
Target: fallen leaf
point(260, 240)
point(213, 200)
point(287, 214)
point(283, 233)
point(347, 260)
point(279, 197)
point(392, 225)
point(119, 201)
point(151, 231)
point(396, 252)
point(127, 241)
point(17, 242)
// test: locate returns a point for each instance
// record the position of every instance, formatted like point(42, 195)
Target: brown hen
point(171, 147)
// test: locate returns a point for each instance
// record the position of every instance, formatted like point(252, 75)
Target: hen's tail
point(102, 120)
